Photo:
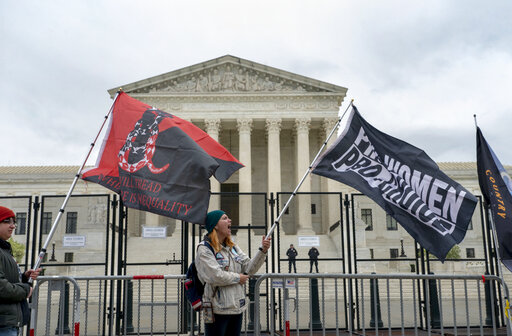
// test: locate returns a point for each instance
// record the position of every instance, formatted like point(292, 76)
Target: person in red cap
point(14, 286)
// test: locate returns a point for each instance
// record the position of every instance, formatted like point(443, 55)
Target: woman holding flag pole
point(224, 274)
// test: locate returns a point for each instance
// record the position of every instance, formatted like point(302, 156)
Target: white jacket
point(221, 276)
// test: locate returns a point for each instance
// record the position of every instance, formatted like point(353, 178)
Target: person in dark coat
point(14, 286)
point(313, 259)
point(292, 254)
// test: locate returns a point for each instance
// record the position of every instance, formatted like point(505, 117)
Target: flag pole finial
point(474, 116)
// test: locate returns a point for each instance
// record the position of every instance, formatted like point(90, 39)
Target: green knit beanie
point(212, 218)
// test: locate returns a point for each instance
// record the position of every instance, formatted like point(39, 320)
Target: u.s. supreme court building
point(274, 122)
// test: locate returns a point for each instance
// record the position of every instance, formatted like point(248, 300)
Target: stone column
point(213, 127)
point(330, 203)
point(244, 126)
point(273, 126)
point(303, 214)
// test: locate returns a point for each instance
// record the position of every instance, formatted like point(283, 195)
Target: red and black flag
point(496, 187)
point(158, 162)
point(403, 180)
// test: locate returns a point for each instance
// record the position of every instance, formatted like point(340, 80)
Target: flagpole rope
point(276, 222)
point(71, 188)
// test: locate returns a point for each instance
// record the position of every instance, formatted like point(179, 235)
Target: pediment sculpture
point(229, 78)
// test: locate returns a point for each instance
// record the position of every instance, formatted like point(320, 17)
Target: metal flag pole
point(501, 276)
point(495, 238)
point(73, 184)
point(276, 222)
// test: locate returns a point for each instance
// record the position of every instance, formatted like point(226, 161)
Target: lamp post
point(402, 252)
point(53, 253)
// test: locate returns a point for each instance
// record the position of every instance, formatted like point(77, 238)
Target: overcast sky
point(418, 70)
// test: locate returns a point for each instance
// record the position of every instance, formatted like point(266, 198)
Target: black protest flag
point(496, 187)
point(403, 180)
point(158, 162)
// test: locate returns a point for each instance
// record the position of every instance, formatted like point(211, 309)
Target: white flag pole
point(73, 184)
point(276, 222)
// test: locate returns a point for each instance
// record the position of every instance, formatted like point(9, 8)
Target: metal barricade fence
point(62, 325)
point(152, 304)
point(302, 303)
point(337, 304)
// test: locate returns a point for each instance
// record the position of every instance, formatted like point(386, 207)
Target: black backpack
point(194, 288)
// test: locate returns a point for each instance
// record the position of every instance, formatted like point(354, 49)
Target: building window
point(46, 225)
point(71, 222)
point(68, 257)
point(470, 253)
point(393, 253)
point(391, 223)
point(470, 225)
point(366, 217)
point(21, 223)
point(313, 209)
point(371, 254)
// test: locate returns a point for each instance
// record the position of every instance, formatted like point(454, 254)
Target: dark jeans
point(290, 263)
point(9, 331)
point(311, 262)
point(224, 325)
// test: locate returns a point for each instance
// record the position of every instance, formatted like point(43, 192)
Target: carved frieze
point(241, 103)
point(228, 78)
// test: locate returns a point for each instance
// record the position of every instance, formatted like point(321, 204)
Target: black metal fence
point(98, 236)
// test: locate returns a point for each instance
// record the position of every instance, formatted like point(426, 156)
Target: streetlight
point(402, 252)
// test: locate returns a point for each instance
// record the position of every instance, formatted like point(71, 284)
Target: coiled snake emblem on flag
point(139, 148)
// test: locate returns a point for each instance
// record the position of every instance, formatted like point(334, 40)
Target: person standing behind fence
point(292, 254)
point(224, 275)
point(14, 286)
point(313, 259)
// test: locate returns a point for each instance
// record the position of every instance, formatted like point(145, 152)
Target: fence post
point(252, 282)
point(435, 316)
point(129, 307)
point(376, 319)
point(490, 299)
point(315, 305)
point(63, 317)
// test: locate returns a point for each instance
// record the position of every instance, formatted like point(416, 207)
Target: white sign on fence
point(154, 232)
point(73, 241)
point(309, 241)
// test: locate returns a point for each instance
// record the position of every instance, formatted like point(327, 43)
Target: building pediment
point(229, 75)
